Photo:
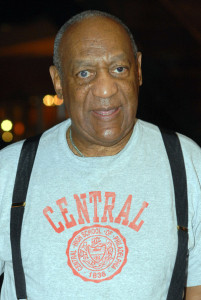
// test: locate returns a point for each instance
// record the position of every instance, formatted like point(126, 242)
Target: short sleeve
point(192, 158)
point(1, 228)
point(1, 267)
point(194, 262)
point(8, 165)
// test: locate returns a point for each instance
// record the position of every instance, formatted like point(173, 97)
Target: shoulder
point(10, 154)
point(9, 157)
point(191, 151)
point(56, 132)
point(192, 158)
point(8, 166)
point(189, 147)
point(148, 128)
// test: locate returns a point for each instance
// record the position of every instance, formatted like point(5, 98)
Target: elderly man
point(100, 219)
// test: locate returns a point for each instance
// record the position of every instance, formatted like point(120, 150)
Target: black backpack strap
point(23, 174)
point(174, 152)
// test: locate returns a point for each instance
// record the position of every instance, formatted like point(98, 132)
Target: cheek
point(130, 95)
point(133, 86)
point(130, 92)
point(79, 94)
point(74, 96)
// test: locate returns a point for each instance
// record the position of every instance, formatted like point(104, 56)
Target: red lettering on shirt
point(124, 213)
point(57, 229)
point(82, 208)
point(64, 212)
point(94, 196)
point(83, 214)
point(108, 207)
point(133, 224)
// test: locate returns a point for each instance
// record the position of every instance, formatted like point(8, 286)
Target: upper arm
point(1, 267)
point(193, 172)
point(193, 293)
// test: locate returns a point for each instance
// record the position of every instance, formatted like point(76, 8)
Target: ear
point(139, 70)
point(56, 81)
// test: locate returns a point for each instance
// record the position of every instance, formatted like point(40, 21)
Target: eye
point(84, 74)
point(119, 69)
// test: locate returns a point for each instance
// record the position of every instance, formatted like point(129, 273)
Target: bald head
point(79, 18)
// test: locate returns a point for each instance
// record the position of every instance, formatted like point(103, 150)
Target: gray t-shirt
point(100, 227)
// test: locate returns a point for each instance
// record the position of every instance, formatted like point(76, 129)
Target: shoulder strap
point(24, 169)
point(175, 156)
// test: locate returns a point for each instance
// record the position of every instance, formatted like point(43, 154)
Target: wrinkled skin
point(100, 85)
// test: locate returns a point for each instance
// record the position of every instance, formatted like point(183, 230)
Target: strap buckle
point(18, 204)
point(182, 228)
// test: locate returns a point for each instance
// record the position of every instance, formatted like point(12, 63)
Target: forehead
point(95, 35)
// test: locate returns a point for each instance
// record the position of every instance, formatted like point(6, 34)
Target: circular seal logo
point(97, 253)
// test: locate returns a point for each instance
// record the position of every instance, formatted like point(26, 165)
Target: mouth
point(106, 113)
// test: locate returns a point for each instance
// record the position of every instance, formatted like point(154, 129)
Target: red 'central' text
point(83, 216)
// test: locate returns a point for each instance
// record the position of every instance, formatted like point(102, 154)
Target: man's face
point(100, 81)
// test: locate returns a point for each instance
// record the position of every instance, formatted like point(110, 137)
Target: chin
point(109, 139)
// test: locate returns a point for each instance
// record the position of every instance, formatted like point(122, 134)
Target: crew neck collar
point(72, 156)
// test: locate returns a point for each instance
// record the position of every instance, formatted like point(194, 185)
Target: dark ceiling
point(168, 32)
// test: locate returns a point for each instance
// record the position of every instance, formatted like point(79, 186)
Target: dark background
point(168, 33)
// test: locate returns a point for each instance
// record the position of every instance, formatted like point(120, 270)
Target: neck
point(74, 146)
point(87, 149)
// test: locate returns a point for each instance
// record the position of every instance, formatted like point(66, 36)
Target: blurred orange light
point(57, 100)
point(19, 128)
point(7, 137)
point(48, 100)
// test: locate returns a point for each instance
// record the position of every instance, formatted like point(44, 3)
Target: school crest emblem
point(97, 253)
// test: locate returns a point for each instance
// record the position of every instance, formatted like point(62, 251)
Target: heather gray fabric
point(100, 227)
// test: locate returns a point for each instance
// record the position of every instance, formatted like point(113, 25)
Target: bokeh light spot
point(7, 137)
point(57, 100)
point(6, 125)
point(19, 128)
point(48, 100)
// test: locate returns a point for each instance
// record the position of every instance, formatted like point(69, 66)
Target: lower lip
point(106, 114)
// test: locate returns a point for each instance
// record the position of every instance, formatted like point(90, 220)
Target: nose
point(104, 86)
